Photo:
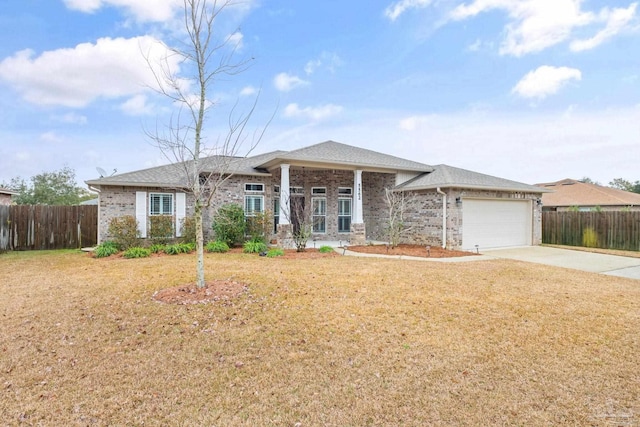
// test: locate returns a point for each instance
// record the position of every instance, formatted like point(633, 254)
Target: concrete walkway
point(611, 265)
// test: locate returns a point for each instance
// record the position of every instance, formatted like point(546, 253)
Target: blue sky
point(530, 90)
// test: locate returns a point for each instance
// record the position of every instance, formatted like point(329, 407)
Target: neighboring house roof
point(570, 192)
point(445, 176)
point(7, 191)
point(90, 202)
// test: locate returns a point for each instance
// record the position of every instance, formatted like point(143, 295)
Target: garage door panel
point(495, 223)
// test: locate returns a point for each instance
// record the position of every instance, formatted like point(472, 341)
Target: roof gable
point(445, 176)
point(338, 154)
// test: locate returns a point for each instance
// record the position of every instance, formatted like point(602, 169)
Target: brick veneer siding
point(374, 208)
point(425, 219)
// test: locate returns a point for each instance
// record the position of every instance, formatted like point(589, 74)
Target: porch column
point(357, 188)
point(285, 200)
point(358, 234)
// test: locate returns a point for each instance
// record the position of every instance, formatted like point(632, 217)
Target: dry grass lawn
point(337, 341)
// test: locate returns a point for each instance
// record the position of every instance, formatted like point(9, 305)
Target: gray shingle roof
point(173, 175)
point(445, 176)
point(331, 152)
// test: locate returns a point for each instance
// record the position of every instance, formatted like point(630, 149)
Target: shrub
point(156, 248)
point(188, 227)
point(589, 238)
point(259, 226)
point(217, 246)
point(254, 247)
point(161, 228)
point(272, 253)
point(228, 224)
point(325, 249)
point(178, 248)
point(136, 252)
point(124, 232)
point(105, 249)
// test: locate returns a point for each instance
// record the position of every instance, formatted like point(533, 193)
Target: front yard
point(335, 341)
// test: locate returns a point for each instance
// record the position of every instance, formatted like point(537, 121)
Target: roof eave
point(475, 187)
point(341, 165)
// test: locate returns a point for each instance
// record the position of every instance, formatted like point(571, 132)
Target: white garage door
point(492, 223)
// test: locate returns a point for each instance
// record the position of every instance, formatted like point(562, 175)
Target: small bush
point(259, 226)
point(228, 224)
point(105, 249)
point(218, 247)
point(161, 229)
point(589, 238)
point(188, 227)
point(136, 252)
point(272, 253)
point(178, 248)
point(157, 248)
point(124, 232)
point(254, 247)
point(325, 249)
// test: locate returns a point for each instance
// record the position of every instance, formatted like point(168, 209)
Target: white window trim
point(347, 194)
point(319, 191)
point(173, 204)
point(296, 191)
point(253, 196)
point(254, 191)
point(314, 215)
point(350, 214)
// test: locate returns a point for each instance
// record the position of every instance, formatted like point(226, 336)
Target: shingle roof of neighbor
point(324, 154)
point(445, 176)
point(7, 191)
point(570, 192)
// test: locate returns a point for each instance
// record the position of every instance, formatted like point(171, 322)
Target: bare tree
point(398, 203)
point(299, 216)
point(205, 168)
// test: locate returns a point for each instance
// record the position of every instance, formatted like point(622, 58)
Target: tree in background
point(49, 188)
point(623, 184)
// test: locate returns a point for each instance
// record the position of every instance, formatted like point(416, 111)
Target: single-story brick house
point(344, 188)
point(5, 196)
point(570, 194)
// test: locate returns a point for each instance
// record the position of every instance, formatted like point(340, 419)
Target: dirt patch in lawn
point(410, 250)
point(215, 290)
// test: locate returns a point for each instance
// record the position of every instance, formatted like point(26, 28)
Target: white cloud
point(535, 24)
point(235, 40)
point(141, 10)
point(138, 106)
point(616, 21)
point(394, 10)
point(248, 91)
point(74, 77)
point(286, 82)
point(51, 137)
point(328, 60)
point(313, 113)
point(544, 81)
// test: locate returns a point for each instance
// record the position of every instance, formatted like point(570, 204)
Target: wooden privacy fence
point(27, 227)
point(607, 230)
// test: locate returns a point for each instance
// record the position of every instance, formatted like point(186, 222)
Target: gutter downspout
point(97, 190)
point(444, 217)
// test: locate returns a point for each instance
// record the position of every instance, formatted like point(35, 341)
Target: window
point(345, 191)
point(296, 190)
point(276, 189)
point(257, 188)
point(160, 204)
point(319, 214)
point(344, 215)
point(276, 214)
point(253, 205)
point(318, 191)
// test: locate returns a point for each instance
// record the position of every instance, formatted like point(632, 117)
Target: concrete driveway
point(612, 265)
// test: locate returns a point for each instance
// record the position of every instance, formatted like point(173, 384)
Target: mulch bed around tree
point(410, 250)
